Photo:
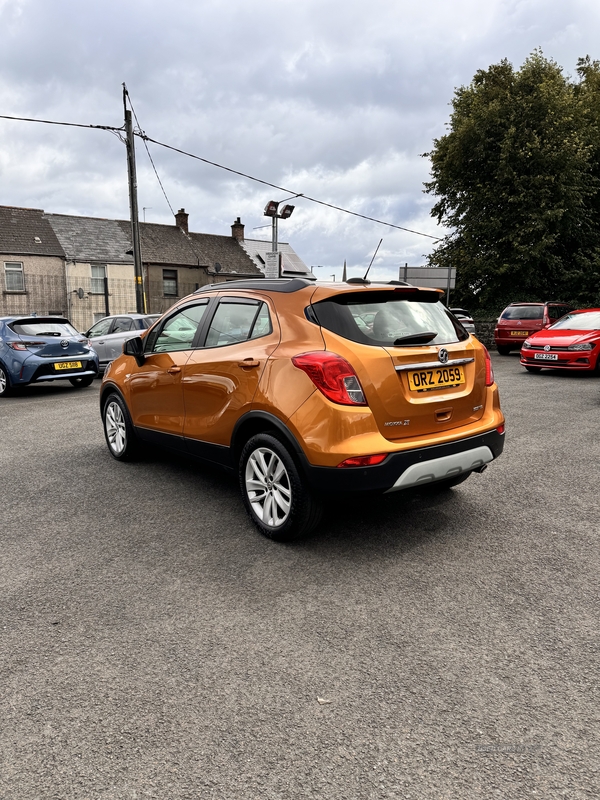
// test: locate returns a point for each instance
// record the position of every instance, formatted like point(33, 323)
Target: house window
point(170, 282)
point(13, 276)
point(98, 276)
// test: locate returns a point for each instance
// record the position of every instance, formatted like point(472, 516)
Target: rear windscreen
point(385, 319)
point(523, 312)
point(42, 328)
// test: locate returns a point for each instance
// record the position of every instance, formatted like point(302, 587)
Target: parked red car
point(519, 320)
point(572, 343)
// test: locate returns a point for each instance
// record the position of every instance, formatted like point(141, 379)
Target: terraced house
point(82, 267)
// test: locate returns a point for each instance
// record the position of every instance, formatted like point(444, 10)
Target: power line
point(69, 124)
point(289, 191)
point(146, 138)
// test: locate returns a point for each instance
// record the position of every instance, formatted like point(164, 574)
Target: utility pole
point(140, 297)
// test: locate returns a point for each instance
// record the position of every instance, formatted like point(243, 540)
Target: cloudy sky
point(334, 100)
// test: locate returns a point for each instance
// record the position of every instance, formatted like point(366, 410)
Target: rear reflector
point(364, 461)
point(500, 428)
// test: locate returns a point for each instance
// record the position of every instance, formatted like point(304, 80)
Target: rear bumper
point(43, 370)
point(417, 467)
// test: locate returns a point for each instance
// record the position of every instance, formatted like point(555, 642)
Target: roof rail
point(285, 285)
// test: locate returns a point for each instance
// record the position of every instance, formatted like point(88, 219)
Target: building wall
point(86, 299)
point(187, 280)
point(45, 287)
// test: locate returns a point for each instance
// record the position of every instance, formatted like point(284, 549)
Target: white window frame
point(12, 269)
point(97, 285)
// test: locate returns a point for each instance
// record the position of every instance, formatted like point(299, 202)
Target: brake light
point(333, 376)
point(363, 461)
point(489, 371)
point(23, 345)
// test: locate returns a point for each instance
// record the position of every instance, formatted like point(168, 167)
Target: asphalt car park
point(421, 645)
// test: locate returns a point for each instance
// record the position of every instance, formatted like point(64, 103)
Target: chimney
point(237, 230)
point(181, 220)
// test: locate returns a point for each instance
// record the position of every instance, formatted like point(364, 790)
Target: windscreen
point(386, 319)
point(523, 312)
point(590, 321)
point(41, 328)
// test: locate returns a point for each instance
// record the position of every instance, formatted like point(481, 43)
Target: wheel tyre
point(503, 350)
point(533, 369)
point(122, 442)
point(274, 492)
point(80, 383)
point(5, 387)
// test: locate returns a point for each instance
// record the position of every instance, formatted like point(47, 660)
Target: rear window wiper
point(417, 338)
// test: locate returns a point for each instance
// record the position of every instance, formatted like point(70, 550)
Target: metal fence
point(82, 300)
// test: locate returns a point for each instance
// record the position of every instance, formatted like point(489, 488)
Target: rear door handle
point(174, 370)
point(249, 362)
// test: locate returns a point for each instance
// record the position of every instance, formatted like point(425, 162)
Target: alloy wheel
point(268, 487)
point(3, 381)
point(116, 433)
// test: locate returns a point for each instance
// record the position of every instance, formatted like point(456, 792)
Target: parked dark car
point(109, 334)
point(520, 320)
point(35, 349)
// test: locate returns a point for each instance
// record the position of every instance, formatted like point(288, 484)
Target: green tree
point(517, 181)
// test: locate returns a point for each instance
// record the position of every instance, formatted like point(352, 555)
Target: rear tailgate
point(410, 391)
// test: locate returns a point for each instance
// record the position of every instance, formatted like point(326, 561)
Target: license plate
point(519, 333)
point(68, 365)
point(435, 378)
point(545, 356)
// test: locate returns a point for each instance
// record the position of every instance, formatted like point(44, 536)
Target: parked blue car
point(34, 349)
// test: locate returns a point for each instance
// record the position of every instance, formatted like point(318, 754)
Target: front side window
point(98, 275)
point(14, 279)
point(235, 322)
point(178, 332)
point(170, 282)
point(387, 320)
point(100, 328)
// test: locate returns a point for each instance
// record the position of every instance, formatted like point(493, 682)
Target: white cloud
point(333, 101)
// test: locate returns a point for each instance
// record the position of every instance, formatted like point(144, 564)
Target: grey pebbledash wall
point(485, 333)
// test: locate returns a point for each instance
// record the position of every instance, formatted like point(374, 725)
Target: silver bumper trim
point(439, 469)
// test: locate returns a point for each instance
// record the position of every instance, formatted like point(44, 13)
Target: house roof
point(26, 231)
point(92, 238)
point(109, 240)
point(292, 263)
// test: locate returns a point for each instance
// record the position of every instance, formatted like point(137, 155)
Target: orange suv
point(306, 389)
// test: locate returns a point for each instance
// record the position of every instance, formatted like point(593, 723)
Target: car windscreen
point(590, 321)
point(41, 328)
point(387, 319)
point(523, 312)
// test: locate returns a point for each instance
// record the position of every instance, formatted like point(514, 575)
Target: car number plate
point(519, 333)
point(545, 356)
point(435, 378)
point(68, 365)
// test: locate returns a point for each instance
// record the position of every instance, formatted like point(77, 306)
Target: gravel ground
point(153, 645)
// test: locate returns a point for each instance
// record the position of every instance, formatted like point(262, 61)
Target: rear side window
point(523, 312)
point(237, 322)
point(122, 325)
point(385, 319)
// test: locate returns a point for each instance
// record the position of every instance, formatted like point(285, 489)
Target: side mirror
point(135, 347)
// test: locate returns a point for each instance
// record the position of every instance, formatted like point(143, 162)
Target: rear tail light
point(489, 372)
point(23, 345)
point(333, 376)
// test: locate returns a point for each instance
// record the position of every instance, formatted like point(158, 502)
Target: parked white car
point(108, 335)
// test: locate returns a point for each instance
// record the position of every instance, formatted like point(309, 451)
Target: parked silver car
point(465, 319)
point(108, 335)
